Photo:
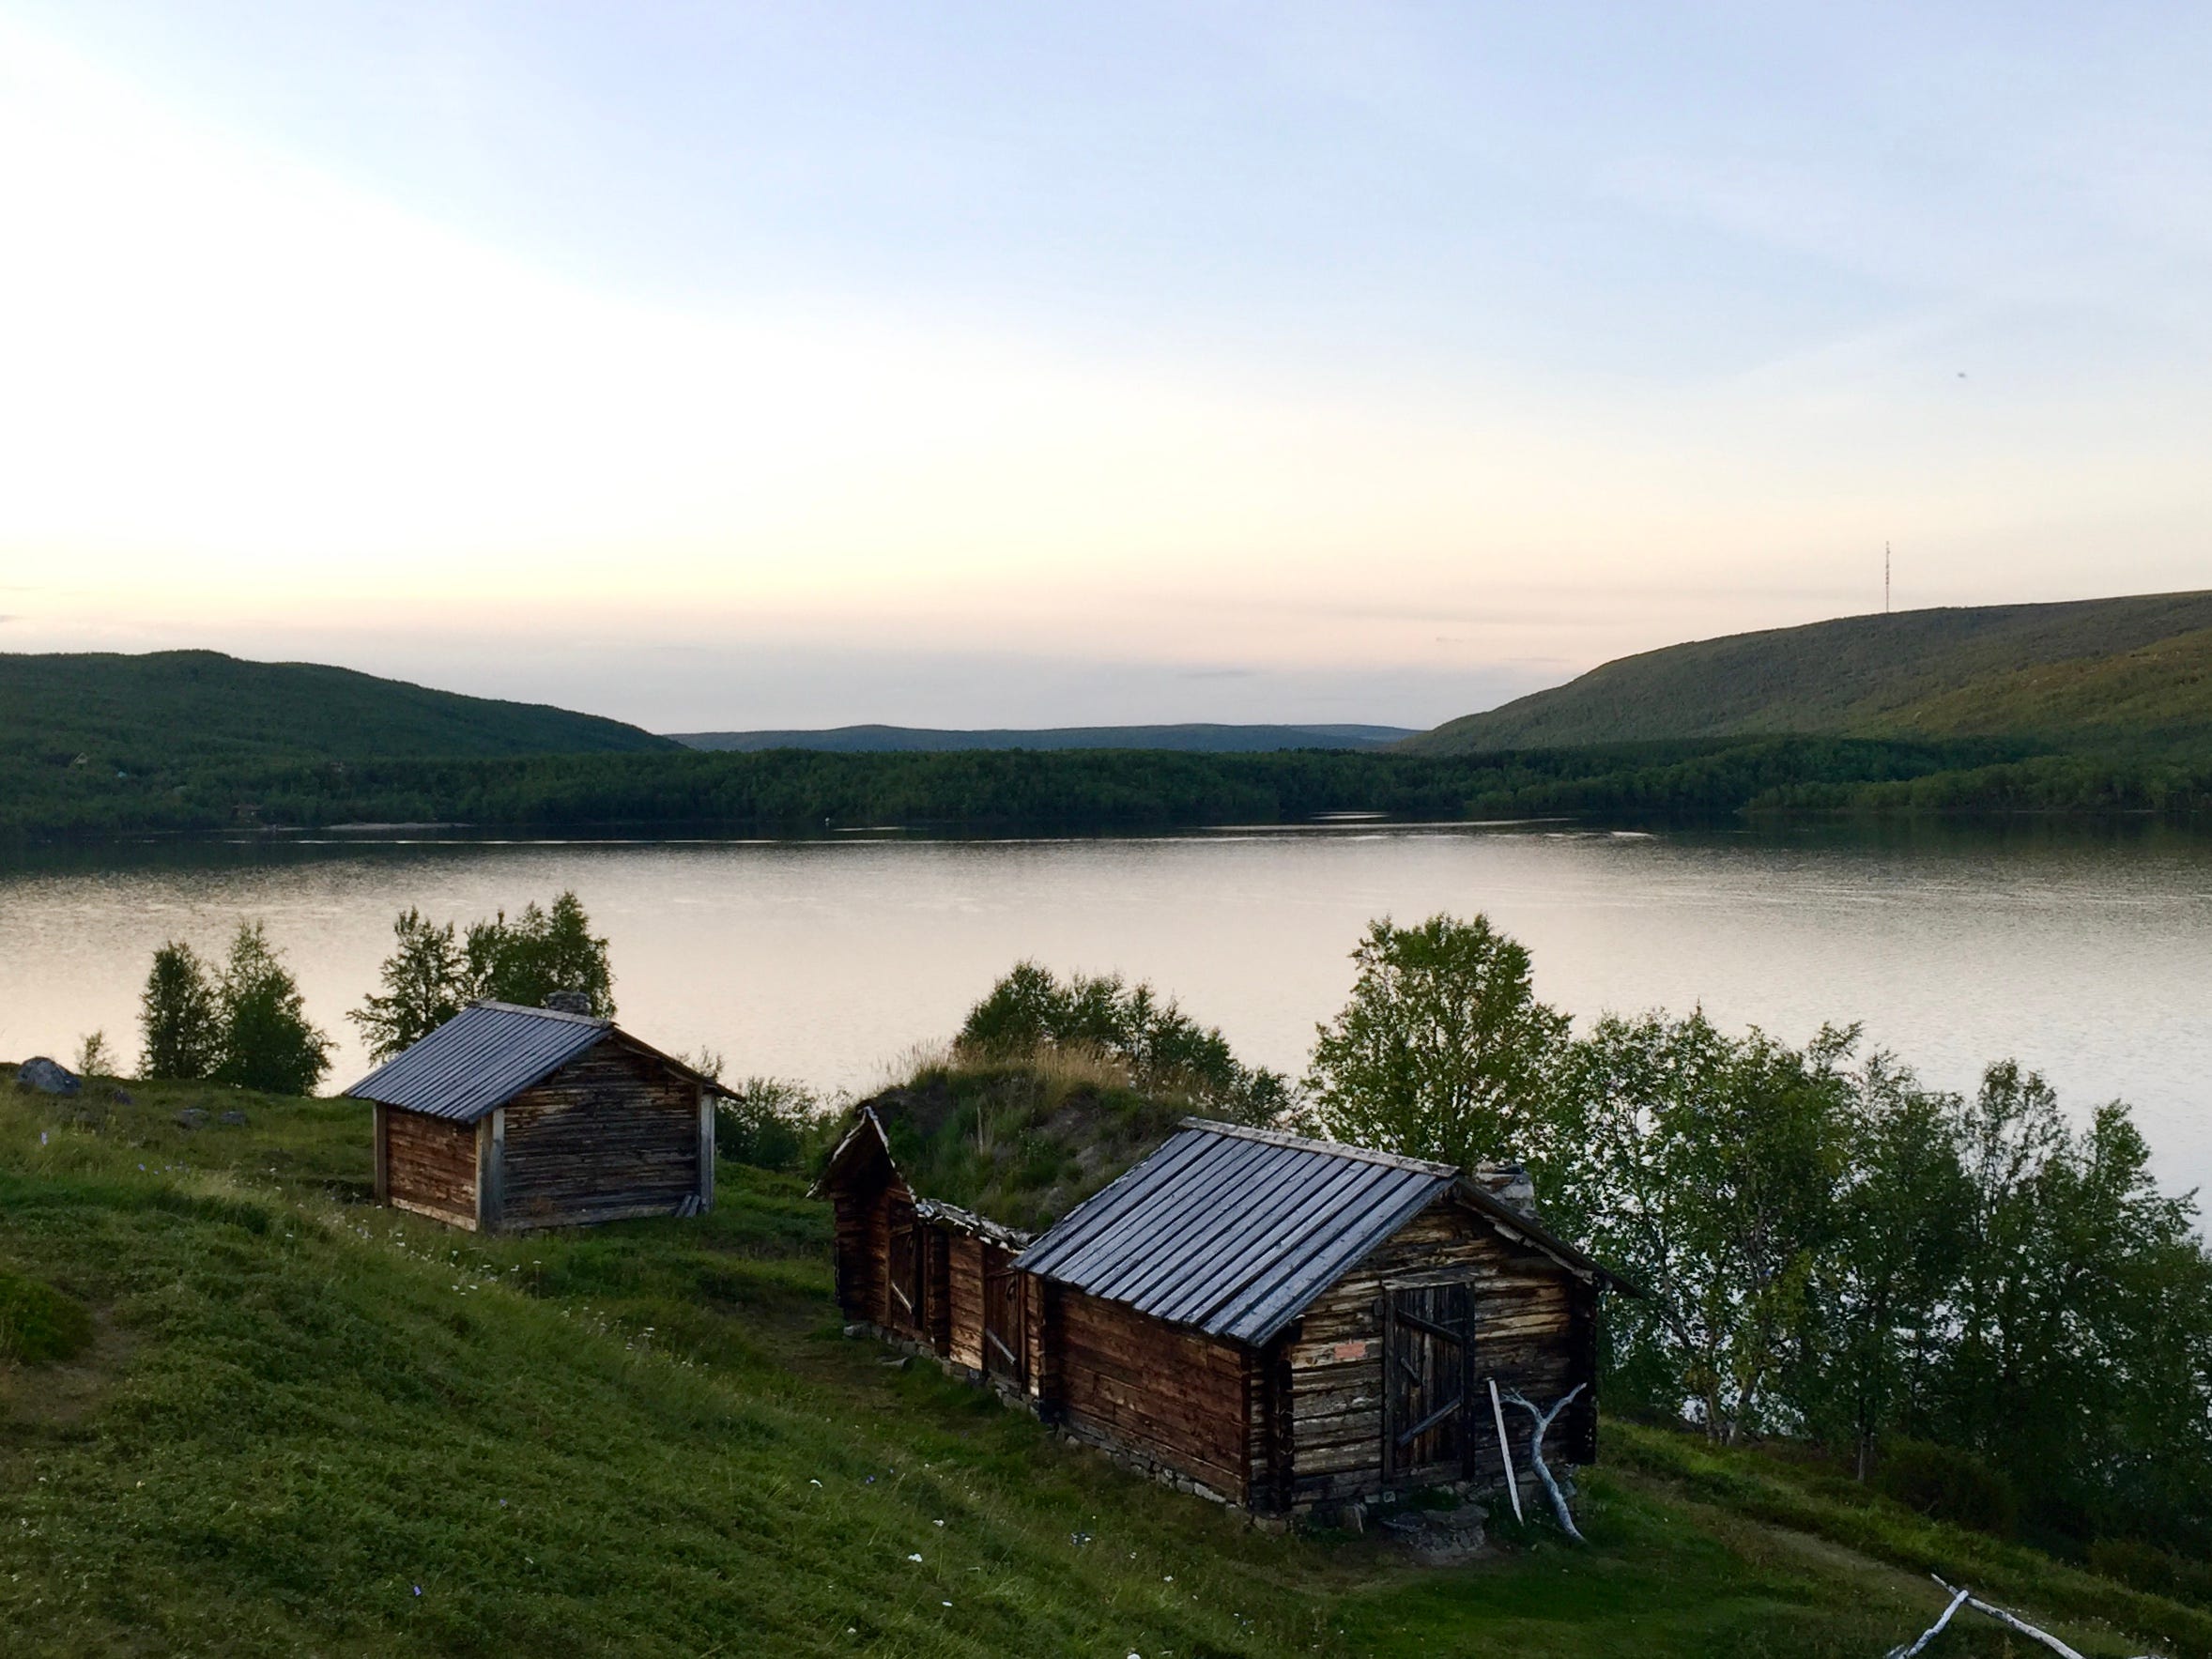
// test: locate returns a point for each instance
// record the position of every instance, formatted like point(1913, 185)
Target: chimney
point(1508, 1183)
point(569, 1002)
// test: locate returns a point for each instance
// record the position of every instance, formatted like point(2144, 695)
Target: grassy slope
point(2156, 690)
point(1947, 672)
point(309, 1426)
point(1021, 1142)
point(140, 712)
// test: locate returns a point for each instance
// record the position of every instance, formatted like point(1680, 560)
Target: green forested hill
point(2133, 668)
point(135, 713)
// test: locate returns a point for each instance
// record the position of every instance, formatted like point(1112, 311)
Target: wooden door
point(1003, 1335)
point(902, 1299)
point(1429, 1415)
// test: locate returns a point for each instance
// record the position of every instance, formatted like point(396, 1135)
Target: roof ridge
point(493, 1002)
point(1330, 1149)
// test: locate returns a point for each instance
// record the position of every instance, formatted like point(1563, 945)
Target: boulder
point(233, 1120)
point(47, 1078)
point(192, 1117)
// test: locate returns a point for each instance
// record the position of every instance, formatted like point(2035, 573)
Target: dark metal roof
point(1235, 1231)
point(480, 1059)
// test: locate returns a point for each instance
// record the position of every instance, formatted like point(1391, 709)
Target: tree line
point(1969, 1296)
point(787, 790)
point(243, 1022)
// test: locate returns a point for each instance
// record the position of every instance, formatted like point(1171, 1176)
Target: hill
point(1197, 738)
point(134, 714)
point(2091, 669)
point(305, 1425)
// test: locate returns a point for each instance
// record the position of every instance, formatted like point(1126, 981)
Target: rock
point(233, 1120)
point(120, 1095)
point(43, 1075)
point(192, 1117)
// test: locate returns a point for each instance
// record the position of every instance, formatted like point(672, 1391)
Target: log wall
point(1145, 1386)
point(859, 1199)
point(1534, 1330)
point(430, 1165)
point(613, 1134)
point(963, 1344)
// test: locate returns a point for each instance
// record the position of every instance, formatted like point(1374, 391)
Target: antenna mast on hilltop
point(1885, 579)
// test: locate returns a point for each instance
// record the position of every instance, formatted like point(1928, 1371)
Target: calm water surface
point(2084, 955)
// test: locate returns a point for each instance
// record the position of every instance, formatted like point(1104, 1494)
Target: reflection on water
point(2083, 953)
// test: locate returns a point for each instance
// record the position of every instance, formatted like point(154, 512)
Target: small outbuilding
point(1282, 1323)
point(1289, 1322)
point(924, 1272)
point(507, 1117)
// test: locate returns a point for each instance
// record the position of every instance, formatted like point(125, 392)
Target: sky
point(719, 366)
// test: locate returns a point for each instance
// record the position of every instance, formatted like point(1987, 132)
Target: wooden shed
point(508, 1118)
point(1279, 1322)
point(925, 1271)
point(1289, 1322)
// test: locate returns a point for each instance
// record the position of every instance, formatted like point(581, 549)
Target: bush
point(1946, 1483)
point(1031, 1014)
point(39, 1325)
point(2147, 1567)
point(770, 1123)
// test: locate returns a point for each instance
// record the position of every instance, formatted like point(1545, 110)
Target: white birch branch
point(1505, 1452)
point(1543, 1422)
point(1930, 1634)
point(2015, 1623)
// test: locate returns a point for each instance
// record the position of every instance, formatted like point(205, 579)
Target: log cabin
point(507, 1117)
point(1278, 1323)
point(922, 1271)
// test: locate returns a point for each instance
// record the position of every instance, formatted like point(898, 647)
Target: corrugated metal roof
point(480, 1058)
point(1235, 1231)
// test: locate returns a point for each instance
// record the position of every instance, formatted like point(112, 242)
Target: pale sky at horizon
point(720, 367)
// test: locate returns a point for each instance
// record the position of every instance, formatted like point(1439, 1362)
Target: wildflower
point(913, 1557)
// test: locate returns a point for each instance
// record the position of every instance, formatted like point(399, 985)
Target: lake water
point(2083, 954)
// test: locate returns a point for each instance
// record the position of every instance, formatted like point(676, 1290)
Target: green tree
point(179, 1017)
point(1030, 1011)
point(1443, 1051)
point(541, 951)
point(268, 1042)
point(1705, 1167)
point(423, 986)
point(2082, 1361)
point(1880, 1292)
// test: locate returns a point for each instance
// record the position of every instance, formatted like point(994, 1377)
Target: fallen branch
point(1543, 1422)
point(2012, 1621)
point(1930, 1634)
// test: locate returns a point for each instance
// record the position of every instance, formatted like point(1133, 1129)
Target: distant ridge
point(2081, 671)
point(135, 712)
point(1197, 738)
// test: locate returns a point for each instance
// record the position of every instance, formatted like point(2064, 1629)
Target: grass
point(304, 1424)
point(2070, 670)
